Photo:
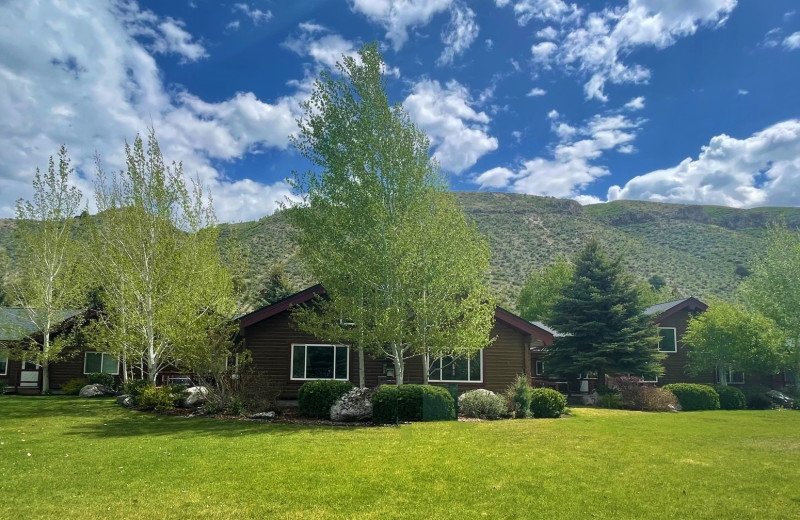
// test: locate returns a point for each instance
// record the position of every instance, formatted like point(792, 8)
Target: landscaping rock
point(125, 400)
point(591, 399)
point(355, 405)
point(96, 390)
point(674, 407)
point(263, 416)
point(780, 398)
point(195, 396)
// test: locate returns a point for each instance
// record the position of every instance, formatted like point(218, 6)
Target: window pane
point(3, 364)
point(298, 361)
point(667, 343)
point(454, 370)
point(319, 362)
point(110, 364)
point(475, 367)
point(341, 363)
point(93, 363)
point(435, 372)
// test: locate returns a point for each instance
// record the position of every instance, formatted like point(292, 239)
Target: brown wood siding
point(675, 364)
point(270, 340)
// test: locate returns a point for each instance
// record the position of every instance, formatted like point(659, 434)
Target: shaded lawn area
point(93, 459)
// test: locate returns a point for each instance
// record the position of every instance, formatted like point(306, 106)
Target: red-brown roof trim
point(308, 294)
point(690, 303)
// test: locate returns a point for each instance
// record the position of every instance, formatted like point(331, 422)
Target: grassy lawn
point(65, 457)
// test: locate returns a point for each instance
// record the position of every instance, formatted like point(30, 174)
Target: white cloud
point(587, 199)
point(91, 81)
point(536, 92)
point(772, 38)
point(398, 16)
point(573, 165)
point(792, 41)
point(595, 44)
point(256, 15)
point(234, 25)
point(489, 44)
point(636, 103)
point(316, 42)
point(459, 134)
point(742, 92)
point(548, 33)
point(527, 10)
point(459, 33)
point(162, 35)
point(495, 178)
point(542, 51)
point(763, 169)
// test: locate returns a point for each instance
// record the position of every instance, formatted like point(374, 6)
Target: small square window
point(540, 368)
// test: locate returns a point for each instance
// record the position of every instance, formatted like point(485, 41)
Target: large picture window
point(460, 370)
point(320, 362)
point(669, 339)
point(95, 362)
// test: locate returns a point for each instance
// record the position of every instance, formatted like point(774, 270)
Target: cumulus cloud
point(636, 103)
point(318, 43)
point(792, 41)
point(763, 169)
point(573, 164)
point(596, 44)
point(536, 92)
point(459, 134)
point(257, 16)
point(459, 33)
point(162, 36)
point(91, 81)
point(398, 16)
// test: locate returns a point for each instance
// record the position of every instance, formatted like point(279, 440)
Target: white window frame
point(675, 331)
point(440, 380)
point(536, 368)
point(101, 363)
point(5, 370)
point(305, 359)
point(645, 380)
point(730, 377)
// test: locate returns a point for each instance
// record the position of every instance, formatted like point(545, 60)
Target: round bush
point(73, 386)
point(694, 397)
point(391, 404)
point(547, 403)
point(316, 397)
point(482, 404)
point(759, 401)
point(100, 378)
point(731, 398)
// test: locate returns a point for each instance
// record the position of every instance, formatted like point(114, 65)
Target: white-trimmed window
point(459, 370)
point(669, 339)
point(3, 364)
point(539, 369)
point(735, 378)
point(649, 378)
point(100, 362)
point(313, 361)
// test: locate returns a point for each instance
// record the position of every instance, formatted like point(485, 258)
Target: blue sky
point(692, 101)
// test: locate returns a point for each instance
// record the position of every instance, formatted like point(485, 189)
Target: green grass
point(92, 459)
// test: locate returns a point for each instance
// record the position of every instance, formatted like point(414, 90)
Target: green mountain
point(699, 250)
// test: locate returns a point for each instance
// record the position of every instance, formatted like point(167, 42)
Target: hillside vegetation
point(699, 250)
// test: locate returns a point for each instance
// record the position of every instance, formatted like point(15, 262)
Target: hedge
point(412, 403)
point(547, 403)
point(731, 398)
point(695, 397)
point(316, 397)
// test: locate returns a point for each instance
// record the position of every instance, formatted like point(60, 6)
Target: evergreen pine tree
point(600, 315)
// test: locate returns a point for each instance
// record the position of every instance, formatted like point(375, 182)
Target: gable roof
point(308, 294)
point(16, 324)
point(663, 310)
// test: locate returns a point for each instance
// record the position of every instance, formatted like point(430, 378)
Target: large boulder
point(195, 396)
point(355, 405)
point(780, 398)
point(96, 390)
point(125, 400)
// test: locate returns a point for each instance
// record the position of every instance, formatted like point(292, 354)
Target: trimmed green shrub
point(731, 398)
point(135, 387)
point(610, 400)
point(518, 396)
point(643, 397)
point(99, 378)
point(547, 403)
point(695, 397)
point(316, 397)
point(482, 404)
point(412, 403)
point(73, 386)
point(759, 401)
point(160, 398)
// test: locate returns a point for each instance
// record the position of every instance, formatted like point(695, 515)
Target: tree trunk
point(722, 376)
point(361, 383)
point(601, 378)
point(399, 364)
point(45, 377)
point(45, 354)
point(425, 367)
